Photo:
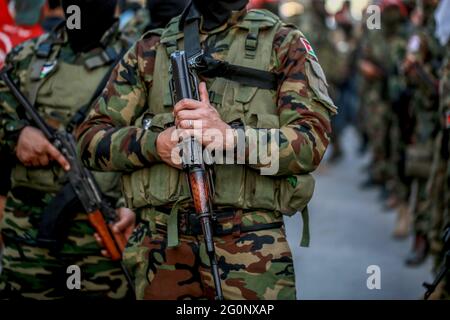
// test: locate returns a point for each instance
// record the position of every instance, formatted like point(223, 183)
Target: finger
point(57, 156)
point(187, 133)
point(35, 162)
point(43, 160)
point(204, 96)
point(187, 104)
point(189, 115)
point(98, 239)
point(190, 124)
point(105, 253)
point(122, 224)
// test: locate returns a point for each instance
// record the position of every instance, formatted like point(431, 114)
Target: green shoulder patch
point(309, 48)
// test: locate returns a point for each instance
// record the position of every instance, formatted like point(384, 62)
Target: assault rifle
point(100, 213)
point(184, 85)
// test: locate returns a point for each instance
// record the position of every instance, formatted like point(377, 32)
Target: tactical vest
point(238, 186)
point(58, 90)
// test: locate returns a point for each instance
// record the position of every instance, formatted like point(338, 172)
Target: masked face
point(162, 11)
point(217, 12)
point(96, 17)
point(319, 6)
point(429, 7)
point(391, 17)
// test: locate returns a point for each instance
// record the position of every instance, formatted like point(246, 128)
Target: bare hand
point(200, 116)
point(33, 149)
point(167, 147)
point(124, 226)
point(370, 70)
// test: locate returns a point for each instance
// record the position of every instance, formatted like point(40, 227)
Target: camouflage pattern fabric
point(384, 50)
point(425, 109)
point(107, 141)
point(253, 266)
point(110, 139)
point(439, 182)
point(36, 273)
point(28, 270)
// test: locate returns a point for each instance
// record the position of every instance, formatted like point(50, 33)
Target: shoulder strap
point(81, 114)
point(210, 67)
point(46, 53)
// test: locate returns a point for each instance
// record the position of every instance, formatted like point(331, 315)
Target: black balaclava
point(217, 12)
point(97, 16)
point(319, 8)
point(162, 11)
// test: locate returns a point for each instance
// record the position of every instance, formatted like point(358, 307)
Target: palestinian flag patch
point(309, 48)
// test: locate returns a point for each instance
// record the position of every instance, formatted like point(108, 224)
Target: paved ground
point(349, 232)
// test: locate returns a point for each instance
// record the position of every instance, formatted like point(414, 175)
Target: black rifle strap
point(243, 75)
point(57, 217)
point(81, 114)
point(212, 68)
point(191, 30)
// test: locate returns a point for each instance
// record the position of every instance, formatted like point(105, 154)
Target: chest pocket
point(250, 45)
point(67, 90)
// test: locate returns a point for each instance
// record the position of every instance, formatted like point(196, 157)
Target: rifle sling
point(57, 217)
point(81, 114)
point(212, 68)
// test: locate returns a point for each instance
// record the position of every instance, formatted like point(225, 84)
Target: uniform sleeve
point(12, 118)
point(304, 108)
point(107, 140)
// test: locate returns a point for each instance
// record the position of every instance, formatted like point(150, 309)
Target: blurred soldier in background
point(438, 189)
point(53, 14)
point(345, 43)
point(421, 67)
point(320, 29)
point(380, 53)
point(156, 14)
point(61, 81)
point(271, 5)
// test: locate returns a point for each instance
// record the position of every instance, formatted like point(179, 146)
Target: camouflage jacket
point(109, 141)
point(61, 92)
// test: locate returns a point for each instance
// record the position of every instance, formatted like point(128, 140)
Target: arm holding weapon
point(101, 215)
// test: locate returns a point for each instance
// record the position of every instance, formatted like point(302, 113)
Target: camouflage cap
point(28, 12)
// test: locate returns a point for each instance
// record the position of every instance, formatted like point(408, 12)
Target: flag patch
point(309, 48)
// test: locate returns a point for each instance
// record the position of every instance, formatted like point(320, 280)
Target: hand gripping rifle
point(184, 85)
point(101, 215)
point(444, 268)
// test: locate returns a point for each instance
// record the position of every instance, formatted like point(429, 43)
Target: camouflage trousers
point(378, 130)
point(252, 265)
point(422, 211)
point(32, 272)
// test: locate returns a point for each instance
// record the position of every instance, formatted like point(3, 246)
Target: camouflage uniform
point(419, 152)
point(331, 46)
point(61, 89)
point(439, 182)
point(383, 48)
point(253, 264)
